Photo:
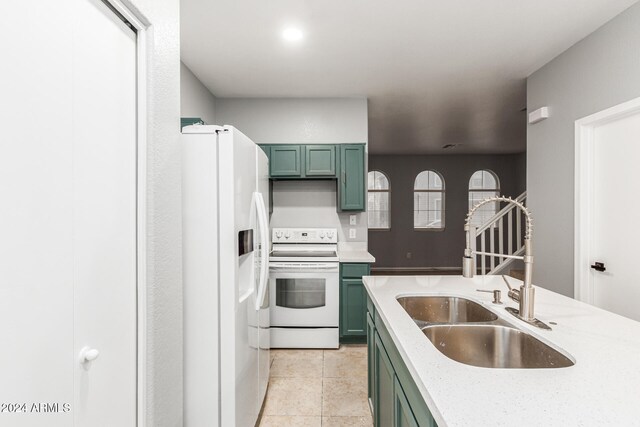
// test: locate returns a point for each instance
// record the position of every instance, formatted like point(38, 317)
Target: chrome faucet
point(525, 296)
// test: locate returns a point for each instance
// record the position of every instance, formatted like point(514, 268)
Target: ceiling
point(435, 72)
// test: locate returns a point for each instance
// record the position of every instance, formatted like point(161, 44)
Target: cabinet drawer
point(355, 270)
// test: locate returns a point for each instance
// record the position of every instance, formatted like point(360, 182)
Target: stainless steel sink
point(493, 346)
point(425, 310)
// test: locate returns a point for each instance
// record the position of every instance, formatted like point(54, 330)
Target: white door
point(68, 221)
point(615, 207)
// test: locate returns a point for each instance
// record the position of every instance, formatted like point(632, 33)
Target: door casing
point(140, 24)
point(583, 195)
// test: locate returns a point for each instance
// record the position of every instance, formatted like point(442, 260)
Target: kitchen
point(270, 225)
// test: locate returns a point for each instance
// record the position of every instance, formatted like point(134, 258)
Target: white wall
point(303, 121)
point(313, 204)
point(163, 372)
point(195, 98)
point(297, 120)
point(599, 72)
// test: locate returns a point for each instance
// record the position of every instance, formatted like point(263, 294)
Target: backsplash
point(313, 204)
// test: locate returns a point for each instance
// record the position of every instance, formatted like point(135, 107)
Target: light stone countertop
point(355, 256)
point(601, 389)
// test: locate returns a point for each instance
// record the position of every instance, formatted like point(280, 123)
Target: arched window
point(428, 201)
point(483, 184)
point(378, 200)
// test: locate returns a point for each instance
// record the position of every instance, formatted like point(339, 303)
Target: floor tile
point(347, 421)
point(345, 397)
point(294, 396)
point(340, 365)
point(296, 367)
point(290, 421)
point(349, 349)
point(280, 353)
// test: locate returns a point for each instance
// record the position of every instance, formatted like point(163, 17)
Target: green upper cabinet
point(351, 182)
point(320, 160)
point(285, 160)
point(266, 149)
point(187, 121)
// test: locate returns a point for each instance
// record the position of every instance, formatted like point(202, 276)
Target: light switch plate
point(352, 233)
point(353, 220)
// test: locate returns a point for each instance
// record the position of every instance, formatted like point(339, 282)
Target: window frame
point(442, 191)
point(496, 191)
point(388, 191)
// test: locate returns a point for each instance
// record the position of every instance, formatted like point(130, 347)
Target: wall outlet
point(353, 220)
point(352, 233)
point(408, 255)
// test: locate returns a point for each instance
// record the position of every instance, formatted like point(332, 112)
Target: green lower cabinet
point(383, 386)
point(403, 415)
point(354, 308)
point(396, 399)
point(371, 336)
point(353, 302)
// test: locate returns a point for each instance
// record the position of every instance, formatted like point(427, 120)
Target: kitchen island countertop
point(601, 389)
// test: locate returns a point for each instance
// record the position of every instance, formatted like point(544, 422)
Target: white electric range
point(304, 288)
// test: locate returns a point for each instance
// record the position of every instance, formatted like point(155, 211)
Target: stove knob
point(287, 235)
point(278, 234)
point(322, 234)
point(330, 234)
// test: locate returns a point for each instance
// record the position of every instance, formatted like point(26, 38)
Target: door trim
point(141, 25)
point(583, 196)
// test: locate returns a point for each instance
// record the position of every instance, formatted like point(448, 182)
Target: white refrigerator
point(225, 193)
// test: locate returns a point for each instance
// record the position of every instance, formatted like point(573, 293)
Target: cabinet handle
point(344, 178)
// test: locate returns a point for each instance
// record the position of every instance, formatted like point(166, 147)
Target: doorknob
point(599, 266)
point(88, 354)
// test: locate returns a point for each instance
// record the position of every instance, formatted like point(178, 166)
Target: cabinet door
point(351, 180)
point(285, 161)
point(384, 384)
point(371, 373)
point(266, 149)
point(354, 308)
point(320, 160)
point(403, 414)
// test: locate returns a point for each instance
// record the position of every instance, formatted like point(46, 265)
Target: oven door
point(304, 294)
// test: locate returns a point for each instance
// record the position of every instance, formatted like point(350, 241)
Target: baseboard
point(415, 271)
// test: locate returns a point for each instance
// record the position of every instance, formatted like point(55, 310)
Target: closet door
point(68, 215)
point(104, 215)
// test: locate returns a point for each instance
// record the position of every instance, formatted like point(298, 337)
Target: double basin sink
point(467, 332)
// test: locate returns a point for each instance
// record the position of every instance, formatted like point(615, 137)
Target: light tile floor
point(312, 388)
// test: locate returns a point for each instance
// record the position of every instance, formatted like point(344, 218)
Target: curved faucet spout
point(527, 292)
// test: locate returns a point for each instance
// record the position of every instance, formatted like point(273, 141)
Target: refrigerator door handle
point(264, 249)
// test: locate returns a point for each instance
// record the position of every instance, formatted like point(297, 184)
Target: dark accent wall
point(435, 248)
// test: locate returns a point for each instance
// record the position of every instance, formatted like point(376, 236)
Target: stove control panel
point(304, 235)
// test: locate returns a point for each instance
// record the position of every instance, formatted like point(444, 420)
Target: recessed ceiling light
point(292, 34)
